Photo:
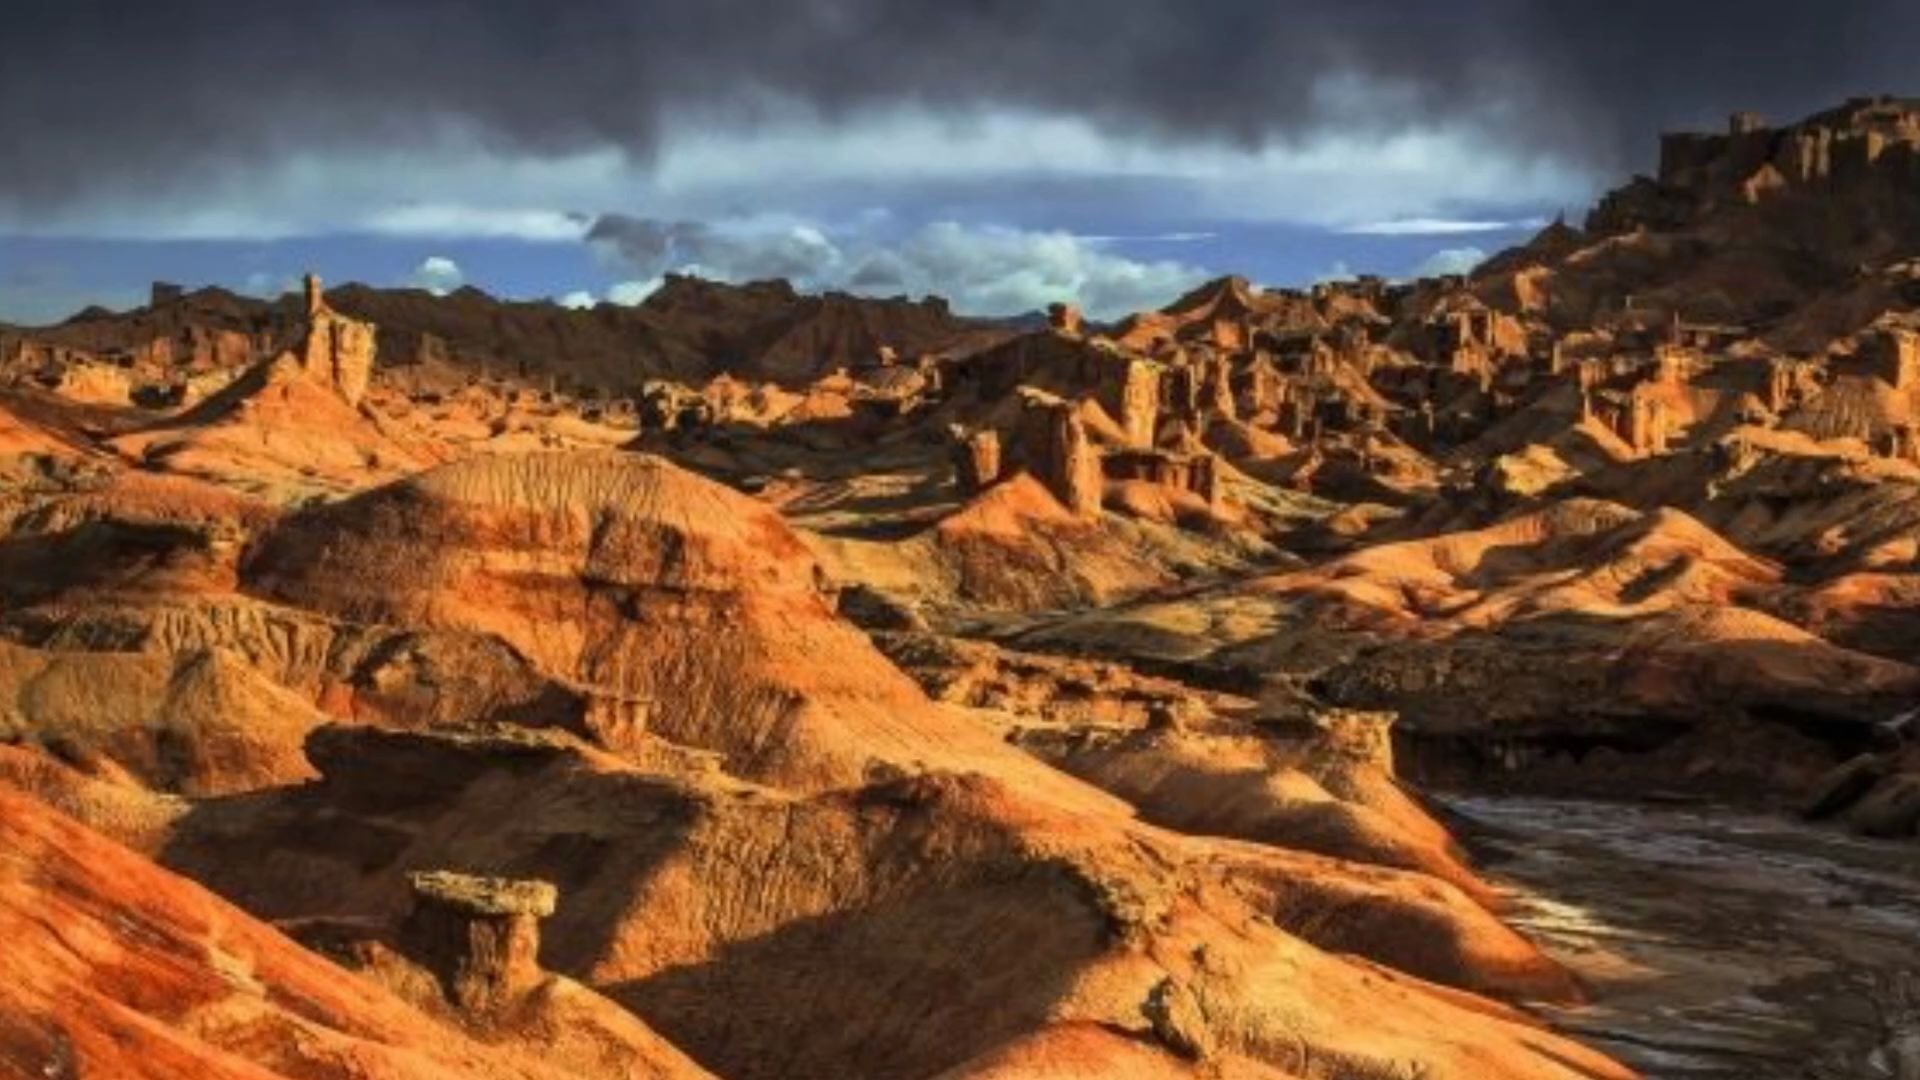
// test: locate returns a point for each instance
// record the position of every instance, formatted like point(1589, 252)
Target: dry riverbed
point(1716, 944)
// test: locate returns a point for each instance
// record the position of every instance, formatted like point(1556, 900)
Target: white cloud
point(438, 275)
point(1001, 271)
point(1337, 175)
point(1145, 238)
point(629, 293)
point(452, 220)
point(1339, 271)
point(734, 250)
point(269, 286)
point(1428, 226)
point(579, 299)
point(1458, 260)
point(980, 270)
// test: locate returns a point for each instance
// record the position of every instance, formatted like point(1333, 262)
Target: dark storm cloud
point(123, 94)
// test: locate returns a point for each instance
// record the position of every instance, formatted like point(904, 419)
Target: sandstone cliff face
point(976, 460)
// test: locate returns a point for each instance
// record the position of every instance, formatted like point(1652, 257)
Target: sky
point(1002, 153)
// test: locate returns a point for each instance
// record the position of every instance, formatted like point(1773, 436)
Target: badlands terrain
point(1496, 677)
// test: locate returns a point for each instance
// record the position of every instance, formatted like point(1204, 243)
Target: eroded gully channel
point(1716, 943)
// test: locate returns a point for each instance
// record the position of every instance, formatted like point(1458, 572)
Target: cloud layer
point(1006, 152)
point(980, 270)
point(98, 95)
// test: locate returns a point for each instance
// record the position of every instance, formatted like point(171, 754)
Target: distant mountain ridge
point(689, 330)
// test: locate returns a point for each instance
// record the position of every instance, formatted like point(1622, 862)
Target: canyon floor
point(1717, 943)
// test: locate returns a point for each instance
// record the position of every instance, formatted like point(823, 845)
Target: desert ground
point(1504, 676)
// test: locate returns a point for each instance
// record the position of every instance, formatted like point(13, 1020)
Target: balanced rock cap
point(486, 895)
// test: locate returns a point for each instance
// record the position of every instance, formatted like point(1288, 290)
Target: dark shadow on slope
point(898, 990)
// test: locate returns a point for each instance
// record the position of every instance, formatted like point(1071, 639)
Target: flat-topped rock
point(479, 936)
point(486, 896)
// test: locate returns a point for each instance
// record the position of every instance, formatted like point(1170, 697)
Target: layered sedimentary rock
point(699, 903)
point(118, 968)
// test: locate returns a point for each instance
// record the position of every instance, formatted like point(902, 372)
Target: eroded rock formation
point(479, 936)
point(818, 686)
point(337, 351)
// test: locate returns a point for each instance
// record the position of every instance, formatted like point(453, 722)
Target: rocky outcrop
point(961, 911)
point(1139, 414)
point(1865, 141)
point(119, 968)
point(1196, 473)
point(479, 936)
point(649, 582)
point(976, 458)
point(197, 722)
point(1064, 318)
point(1055, 447)
point(337, 351)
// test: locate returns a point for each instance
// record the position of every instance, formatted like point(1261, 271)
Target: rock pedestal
point(479, 936)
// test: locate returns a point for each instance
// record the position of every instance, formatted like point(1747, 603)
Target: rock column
point(976, 462)
point(1062, 456)
point(1140, 403)
point(338, 351)
point(479, 936)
